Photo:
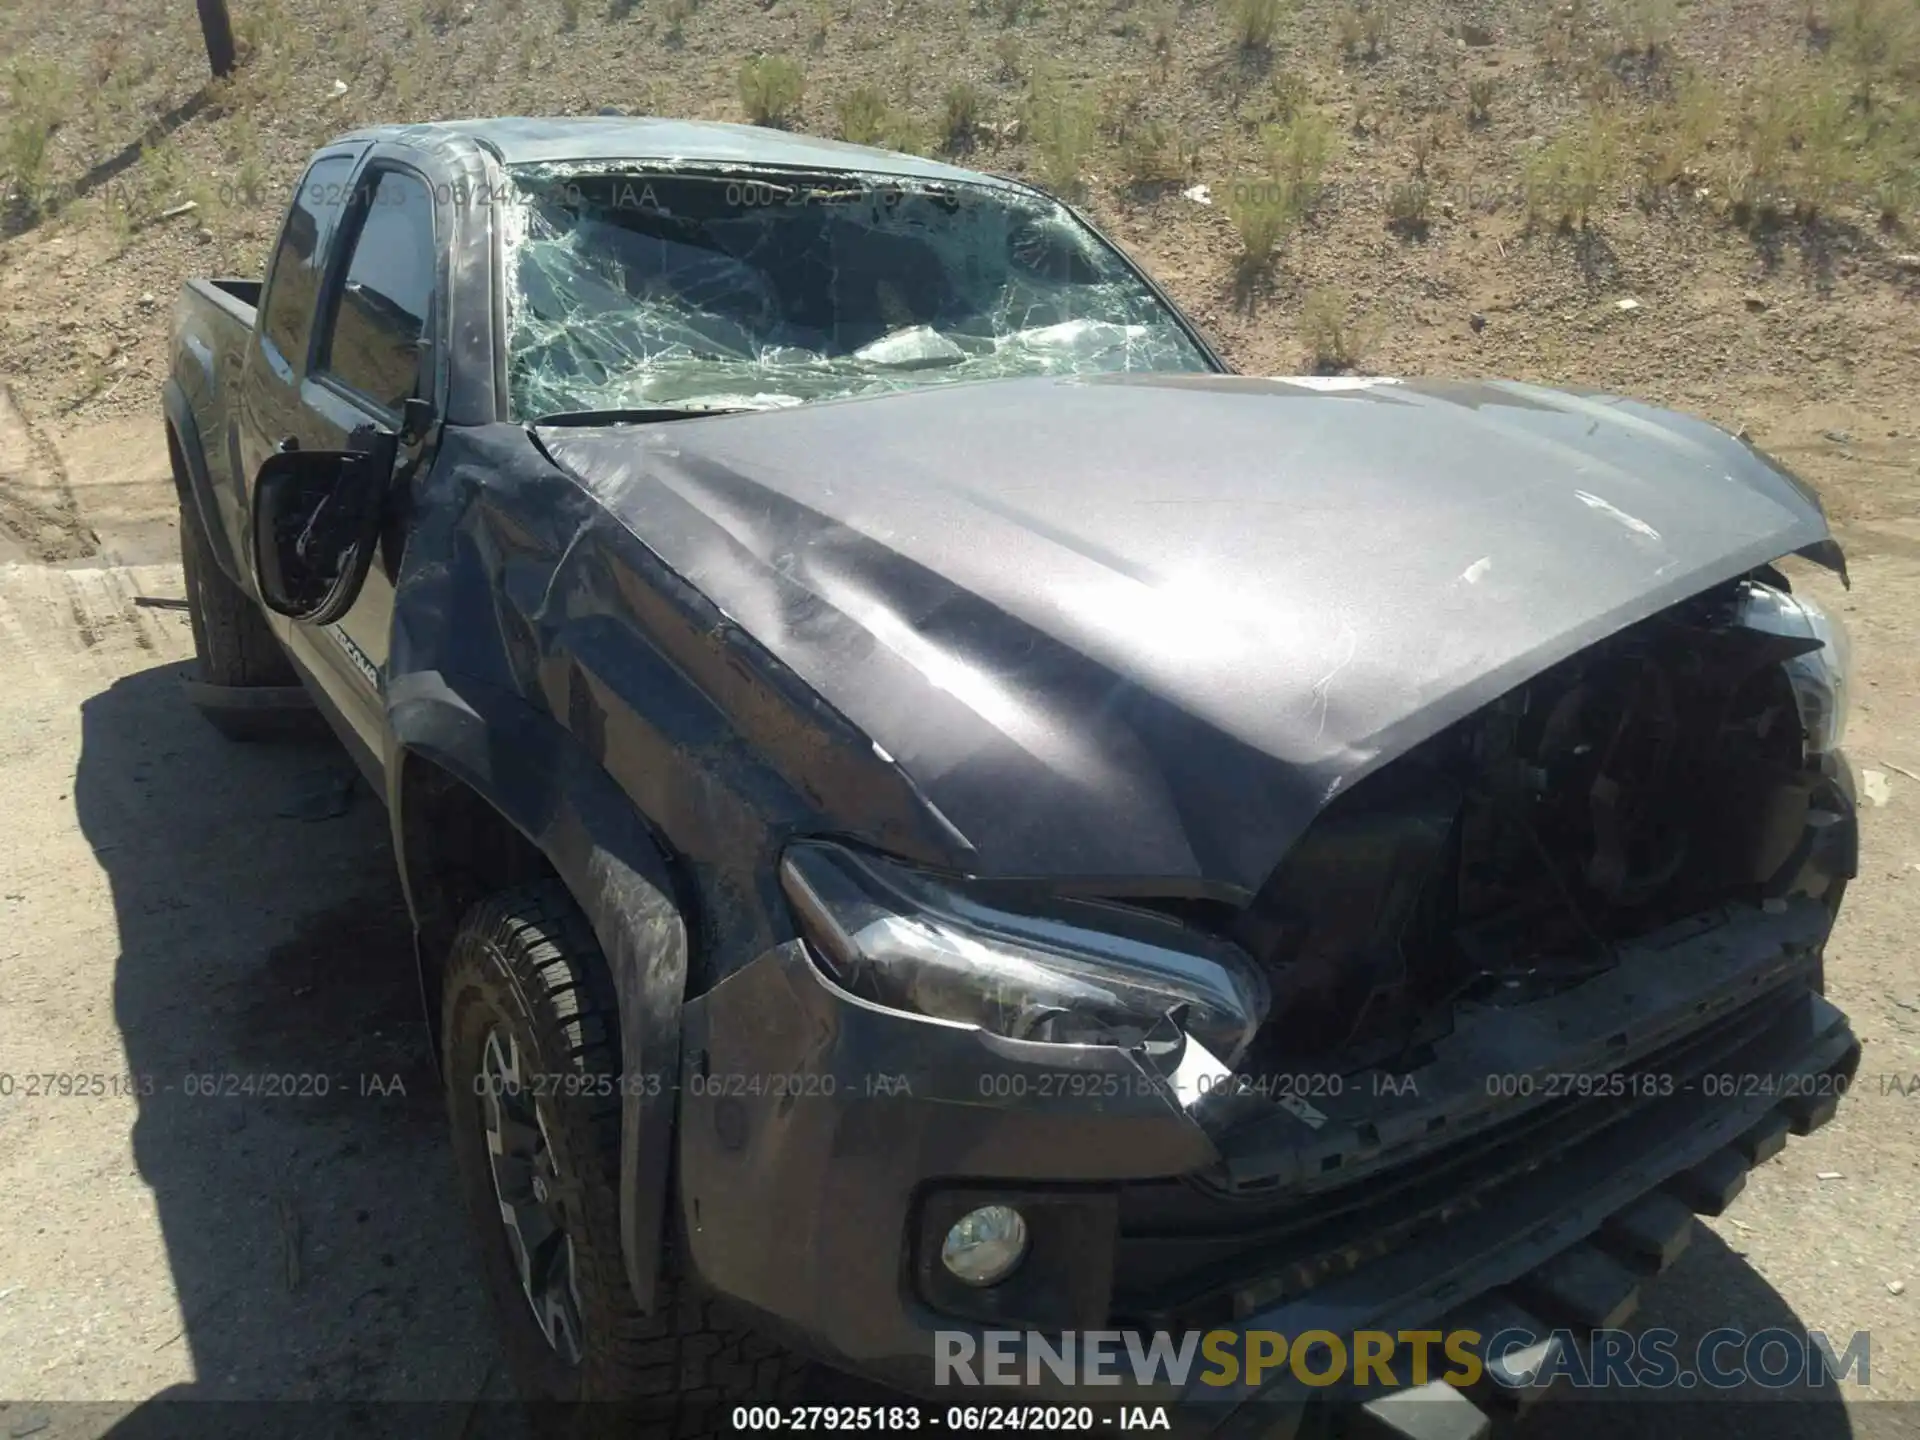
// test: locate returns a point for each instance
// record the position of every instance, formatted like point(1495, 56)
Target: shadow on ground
point(293, 1135)
point(1711, 1287)
point(293, 1129)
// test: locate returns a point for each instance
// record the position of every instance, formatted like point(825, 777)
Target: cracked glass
point(684, 291)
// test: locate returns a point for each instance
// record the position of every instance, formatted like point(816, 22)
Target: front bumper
point(825, 1142)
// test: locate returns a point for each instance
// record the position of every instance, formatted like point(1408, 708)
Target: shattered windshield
point(642, 291)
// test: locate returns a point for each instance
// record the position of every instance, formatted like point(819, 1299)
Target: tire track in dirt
point(48, 616)
point(38, 513)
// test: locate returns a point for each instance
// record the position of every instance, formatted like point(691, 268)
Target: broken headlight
point(902, 938)
point(1819, 677)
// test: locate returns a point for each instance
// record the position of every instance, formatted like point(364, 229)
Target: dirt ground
point(174, 909)
point(162, 1239)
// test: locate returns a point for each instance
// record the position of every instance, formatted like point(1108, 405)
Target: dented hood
point(1136, 631)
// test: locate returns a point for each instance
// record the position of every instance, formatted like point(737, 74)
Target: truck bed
point(238, 298)
point(213, 322)
point(212, 318)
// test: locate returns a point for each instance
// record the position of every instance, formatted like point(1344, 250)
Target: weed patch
point(770, 89)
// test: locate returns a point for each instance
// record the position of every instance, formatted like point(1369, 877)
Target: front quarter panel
point(543, 656)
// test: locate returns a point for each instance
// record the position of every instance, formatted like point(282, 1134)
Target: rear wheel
point(531, 1055)
point(231, 636)
point(246, 688)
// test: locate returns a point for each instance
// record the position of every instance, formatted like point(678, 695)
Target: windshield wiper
point(635, 416)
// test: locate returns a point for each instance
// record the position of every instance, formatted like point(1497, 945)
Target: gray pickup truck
point(929, 805)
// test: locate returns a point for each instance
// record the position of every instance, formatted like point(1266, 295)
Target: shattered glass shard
point(707, 291)
point(913, 349)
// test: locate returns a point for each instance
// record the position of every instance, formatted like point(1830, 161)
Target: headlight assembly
point(904, 939)
point(1819, 677)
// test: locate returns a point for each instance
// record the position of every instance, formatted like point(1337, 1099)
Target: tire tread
point(689, 1355)
point(235, 645)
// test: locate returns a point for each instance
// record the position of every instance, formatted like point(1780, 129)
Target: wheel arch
point(485, 791)
point(187, 457)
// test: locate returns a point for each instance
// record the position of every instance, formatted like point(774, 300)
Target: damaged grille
point(1654, 776)
point(1614, 872)
point(1189, 1256)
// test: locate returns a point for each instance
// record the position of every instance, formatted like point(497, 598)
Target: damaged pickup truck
point(928, 804)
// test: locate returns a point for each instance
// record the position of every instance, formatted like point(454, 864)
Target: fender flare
point(196, 486)
point(566, 805)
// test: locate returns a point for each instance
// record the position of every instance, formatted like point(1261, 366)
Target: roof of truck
point(534, 140)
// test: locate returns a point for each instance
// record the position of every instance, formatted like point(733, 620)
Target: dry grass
point(1566, 180)
point(1896, 193)
point(909, 134)
point(1645, 27)
point(1410, 207)
point(107, 59)
point(1891, 159)
point(1676, 138)
point(863, 114)
point(771, 87)
point(1557, 44)
point(1878, 40)
point(1058, 121)
point(1335, 336)
point(1122, 102)
point(1254, 23)
point(1287, 94)
point(1425, 145)
point(37, 94)
point(1262, 213)
point(1812, 117)
point(1350, 32)
point(1152, 152)
point(259, 23)
point(1480, 100)
point(1366, 31)
point(242, 150)
point(117, 75)
point(865, 117)
point(1376, 29)
point(960, 116)
point(1797, 150)
point(1799, 140)
point(1298, 152)
point(1161, 29)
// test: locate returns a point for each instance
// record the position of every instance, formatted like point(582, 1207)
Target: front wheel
point(531, 1054)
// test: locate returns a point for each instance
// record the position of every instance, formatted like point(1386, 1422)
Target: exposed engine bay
point(1672, 768)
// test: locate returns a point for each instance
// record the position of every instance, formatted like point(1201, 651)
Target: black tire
point(236, 650)
point(235, 645)
point(525, 968)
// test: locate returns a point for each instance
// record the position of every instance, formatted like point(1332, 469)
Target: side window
point(376, 340)
point(293, 279)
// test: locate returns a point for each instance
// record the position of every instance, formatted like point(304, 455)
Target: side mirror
point(316, 527)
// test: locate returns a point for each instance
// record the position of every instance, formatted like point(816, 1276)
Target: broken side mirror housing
point(316, 527)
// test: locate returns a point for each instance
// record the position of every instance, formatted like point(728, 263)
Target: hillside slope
point(1711, 205)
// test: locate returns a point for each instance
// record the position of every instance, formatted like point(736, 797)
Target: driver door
point(374, 352)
